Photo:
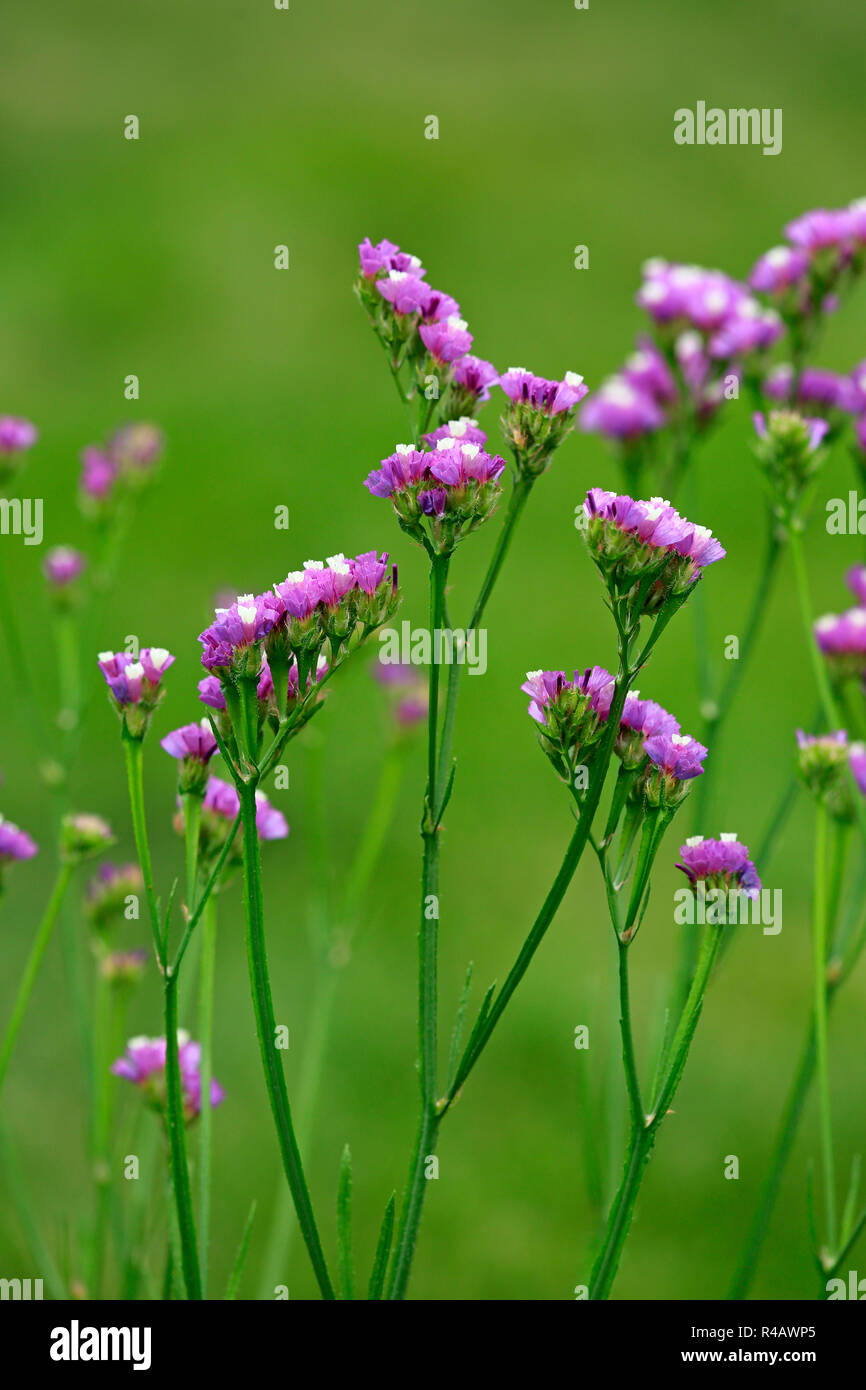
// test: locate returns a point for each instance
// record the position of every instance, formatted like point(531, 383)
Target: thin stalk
point(133, 751)
point(428, 1125)
point(205, 1033)
point(108, 1034)
point(177, 1145)
point(643, 1135)
point(192, 807)
point(819, 965)
point(266, 1030)
point(628, 1054)
point(31, 969)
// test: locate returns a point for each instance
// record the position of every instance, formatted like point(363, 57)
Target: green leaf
point(383, 1250)
point(240, 1258)
point(457, 1031)
point(345, 1265)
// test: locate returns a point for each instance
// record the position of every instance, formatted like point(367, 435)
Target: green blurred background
point(306, 127)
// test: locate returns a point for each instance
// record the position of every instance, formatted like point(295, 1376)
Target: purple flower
point(474, 376)
point(703, 298)
point(647, 717)
point(408, 687)
point(143, 1064)
point(237, 631)
point(438, 305)
point(446, 339)
point(820, 229)
point(722, 863)
point(83, 835)
point(63, 565)
point(107, 892)
point(856, 581)
point(386, 256)
point(595, 684)
point(678, 756)
point(749, 329)
point(271, 824)
point(842, 633)
point(123, 967)
point(195, 741)
point(549, 397)
point(401, 470)
point(451, 489)
point(406, 292)
point(221, 799)
point(621, 410)
point(648, 372)
point(98, 473)
point(857, 760)
point(462, 431)
point(778, 269)
point(16, 434)
point(135, 681)
point(816, 386)
point(654, 524)
point(456, 464)
point(210, 692)
point(137, 446)
point(368, 570)
point(14, 843)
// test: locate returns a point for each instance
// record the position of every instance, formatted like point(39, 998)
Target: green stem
point(205, 1032)
point(177, 1145)
point(192, 807)
point(31, 970)
point(643, 1135)
point(819, 965)
point(266, 1030)
point(133, 751)
point(410, 1216)
point(628, 1054)
point(819, 666)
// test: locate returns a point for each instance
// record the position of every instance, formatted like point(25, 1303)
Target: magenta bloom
point(722, 863)
point(137, 446)
point(655, 524)
point(648, 372)
point(191, 741)
point(549, 397)
point(706, 299)
point(678, 756)
point(408, 686)
point(15, 843)
point(16, 434)
point(647, 717)
point(132, 681)
point(210, 692)
point(857, 759)
point(820, 229)
point(778, 269)
point(446, 339)
point(222, 799)
point(748, 329)
point(856, 581)
point(63, 565)
point(816, 387)
point(438, 305)
point(236, 629)
point(368, 570)
point(544, 688)
point(386, 256)
point(462, 431)
point(143, 1064)
point(621, 410)
point(475, 376)
point(404, 291)
point(98, 473)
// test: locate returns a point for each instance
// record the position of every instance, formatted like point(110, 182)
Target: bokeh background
point(306, 127)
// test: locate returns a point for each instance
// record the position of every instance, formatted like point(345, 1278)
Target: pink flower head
point(678, 756)
point(475, 376)
point(143, 1064)
point(14, 843)
point(16, 435)
point(98, 473)
point(135, 680)
point(548, 397)
point(404, 291)
point(191, 741)
point(778, 269)
point(856, 581)
point(63, 565)
point(722, 863)
point(820, 229)
point(137, 446)
point(446, 339)
point(621, 410)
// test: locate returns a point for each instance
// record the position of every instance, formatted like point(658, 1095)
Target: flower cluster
point(539, 415)
point(439, 494)
point(135, 685)
point(16, 437)
point(122, 968)
point(220, 807)
point(108, 892)
point(15, 845)
point(409, 692)
point(646, 547)
point(823, 761)
point(722, 863)
point(571, 713)
point(61, 567)
point(275, 640)
point(804, 276)
point(143, 1064)
point(193, 745)
point(126, 460)
point(83, 836)
point(788, 450)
